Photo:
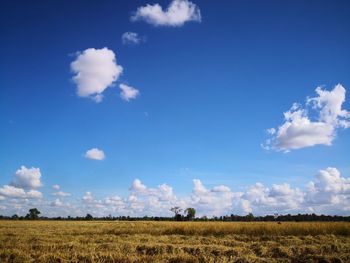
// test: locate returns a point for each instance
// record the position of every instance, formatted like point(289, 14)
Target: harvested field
point(102, 241)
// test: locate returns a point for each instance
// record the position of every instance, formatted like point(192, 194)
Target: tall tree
point(89, 217)
point(190, 213)
point(176, 210)
point(33, 214)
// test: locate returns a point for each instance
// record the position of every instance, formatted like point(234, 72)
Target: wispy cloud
point(131, 38)
point(127, 92)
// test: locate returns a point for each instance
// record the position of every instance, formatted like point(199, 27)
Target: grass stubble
point(115, 241)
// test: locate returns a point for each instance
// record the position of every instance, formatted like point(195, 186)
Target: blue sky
point(208, 86)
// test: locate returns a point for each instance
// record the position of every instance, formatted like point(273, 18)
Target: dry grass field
point(98, 241)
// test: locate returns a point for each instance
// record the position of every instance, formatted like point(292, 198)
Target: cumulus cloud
point(59, 193)
point(16, 192)
point(12, 191)
point(56, 203)
point(131, 38)
point(177, 14)
point(150, 201)
point(34, 194)
point(127, 92)
point(88, 197)
point(215, 201)
point(95, 70)
point(138, 186)
point(315, 124)
point(277, 198)
point(328, 193)
point(28, 178)
point(95, 154)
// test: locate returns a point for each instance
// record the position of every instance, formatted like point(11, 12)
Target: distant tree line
point(189, 215)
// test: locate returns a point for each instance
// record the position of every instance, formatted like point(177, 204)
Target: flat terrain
point(98, 241)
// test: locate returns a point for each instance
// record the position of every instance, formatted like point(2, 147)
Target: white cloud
point(330, 180)
point(95, 154)
point(216, 201)
point(56, 203)
point(16, 192)
point(12, 191)
point(115, 201)
point(127, 92)
point(131, 38)
point(245, 206)
point(329, 188)
point(138, 186)
point(279, 198)
point(92, 204)
point(301, 129)
point(56, 187)
point(329, 104)
point(61, 194)
point(28, 178)
point(177, 14)
point(328, 193)
point(88, 198)
point(34, 194)
point(221, 188)
point(150, 201)
point(95, 70)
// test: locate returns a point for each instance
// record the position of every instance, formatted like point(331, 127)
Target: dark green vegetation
point(190, 215)
point(113, 241)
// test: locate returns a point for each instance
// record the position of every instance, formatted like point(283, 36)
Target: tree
point(176, 210)
point(190, 213)
point(89, 217)
point(15, 217)
point(250, 217)
point(33, 214)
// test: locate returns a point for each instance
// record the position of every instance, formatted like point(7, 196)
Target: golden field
point(115, 241)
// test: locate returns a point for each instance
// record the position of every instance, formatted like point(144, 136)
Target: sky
point(133, 107)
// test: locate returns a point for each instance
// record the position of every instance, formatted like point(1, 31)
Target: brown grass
point(97, 241)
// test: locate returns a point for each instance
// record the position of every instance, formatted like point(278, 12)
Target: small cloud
point(127, 92)
point(56, 187)
point(131, 38)
point(95, 70)
point(177, 14)
point(95, 154)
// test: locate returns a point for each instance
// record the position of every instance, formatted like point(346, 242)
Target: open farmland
point(101, 241)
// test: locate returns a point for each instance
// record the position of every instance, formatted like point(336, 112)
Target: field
point(103, 241)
